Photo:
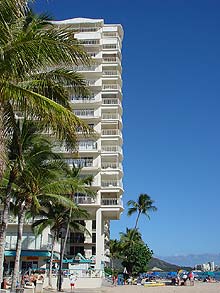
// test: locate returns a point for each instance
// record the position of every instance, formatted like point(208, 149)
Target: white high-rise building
point(99, 155)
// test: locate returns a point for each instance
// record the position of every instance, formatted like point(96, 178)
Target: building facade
point(99, 155)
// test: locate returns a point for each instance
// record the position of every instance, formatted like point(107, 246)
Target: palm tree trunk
point(51, 261)
point(18, 248)
point(4, 221)
point(66, 237)
point(135, 227)
point(2, 144)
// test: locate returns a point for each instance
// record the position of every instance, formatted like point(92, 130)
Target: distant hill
point(154, 262)
point(165, 266)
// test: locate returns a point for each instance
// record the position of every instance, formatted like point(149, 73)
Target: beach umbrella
point(155, 269)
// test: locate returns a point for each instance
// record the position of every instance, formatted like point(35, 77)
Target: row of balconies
point(91, 113)
point(104, 201)
point(96, 98)
point(89, 162)
point(91, 146)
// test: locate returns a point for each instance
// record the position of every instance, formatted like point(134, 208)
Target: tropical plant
point(56, 217)
point(115, 250)
point(136, 257)
point(33, 84)
point(129, 238)
point(143, 205)
point(38, 178)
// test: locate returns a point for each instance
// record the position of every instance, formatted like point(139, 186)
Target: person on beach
point(184, 277)
point(191, 278)
point(72, 281)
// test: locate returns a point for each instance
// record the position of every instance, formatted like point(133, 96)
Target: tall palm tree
point(38, 178)
point(56, 217)
point(32, 82)
point(143, 205)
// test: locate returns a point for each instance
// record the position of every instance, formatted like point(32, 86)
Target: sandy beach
point(198, 288)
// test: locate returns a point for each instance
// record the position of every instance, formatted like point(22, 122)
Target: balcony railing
point(83, 99)
point(107, 101)
point(110, 116)
point(84, 200)
point(110, 72)
point(80, 163)
point(111, 60)
point(111, 201)
point(111, 87)
point(111, 148)
point(84, 113)
point(111, 183)
point(110, 132)
point(109, 165)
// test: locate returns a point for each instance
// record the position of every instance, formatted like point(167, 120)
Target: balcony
point(111, 202)
point(85, 113)
point(111, 165)
point(80, 99)
point(110, 116)
point(111, 183)
point(88, 145)
point(110, 73)
point(111, 149)
point(81, 163)
point(84, 199)
point(110, 132)
point(111, 60)
point(110, 102)
point(111, 87)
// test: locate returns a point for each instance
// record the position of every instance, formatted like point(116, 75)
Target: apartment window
point(93, 237)
point(93, 224)
point(76, 249)
point(77, 238)
point(93, 250)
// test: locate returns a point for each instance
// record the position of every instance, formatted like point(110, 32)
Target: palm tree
point(143, 205)
point(115, 250)
point(32, 83)
point(38, 178)
point(56, 217)
point(130, 237)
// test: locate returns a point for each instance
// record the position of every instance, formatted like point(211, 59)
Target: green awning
point(28, 253)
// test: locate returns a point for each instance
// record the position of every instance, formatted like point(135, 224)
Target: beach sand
point(197, 288)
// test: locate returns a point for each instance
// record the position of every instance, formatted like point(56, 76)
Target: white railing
point(110, 148)
point(108, 101)
point(84, 113)
point(111, 87)
point(109, 165)
point(83, 99)
point(111, 201)
point(110, 46)
point(111, 183)
point(109, 116)
point(110, 132)
point(110, 72)
point(80, 163)
point(111, 60)
point(84, 200)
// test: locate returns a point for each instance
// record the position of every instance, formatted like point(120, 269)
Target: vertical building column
point(99, 239)
point(88, 239)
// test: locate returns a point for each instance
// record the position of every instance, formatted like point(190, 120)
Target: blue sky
point(171, 86)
